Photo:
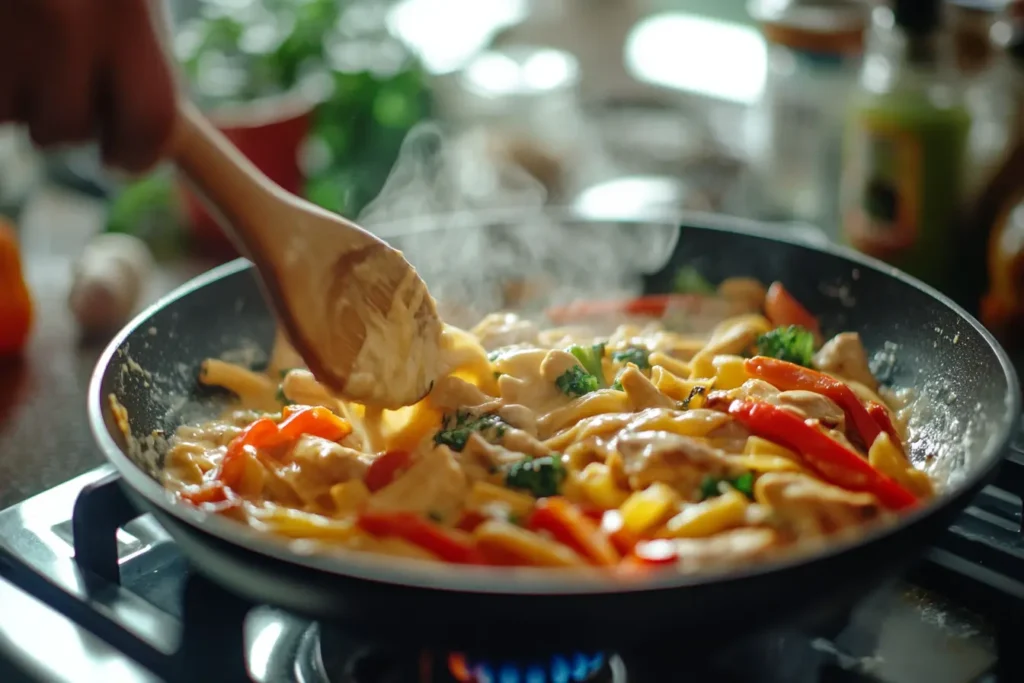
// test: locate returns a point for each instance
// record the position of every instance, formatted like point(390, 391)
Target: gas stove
point(90, 591)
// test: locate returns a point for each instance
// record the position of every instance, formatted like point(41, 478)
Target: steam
point(480, 230)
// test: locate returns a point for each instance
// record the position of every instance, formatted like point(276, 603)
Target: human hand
point(78, 70)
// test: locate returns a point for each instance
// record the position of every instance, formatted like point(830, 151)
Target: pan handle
point(213, 619)
point(100, 510)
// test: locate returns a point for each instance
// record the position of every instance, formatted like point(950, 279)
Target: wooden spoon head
point(356, 311)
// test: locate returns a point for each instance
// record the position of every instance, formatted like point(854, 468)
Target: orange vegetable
point(612, 525)
point(16, 312)
point(260, 434)
point(314, 421)
point(448, 544)
point(782, 309)
point(265, 433)
point(570, 526)
point(386, 468)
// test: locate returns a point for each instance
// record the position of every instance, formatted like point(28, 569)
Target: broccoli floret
point(590, 358)
point(689, 281)
point(577, 382)
point(635, 355)
point(540, 476)
point(455, 429)
point(794, 344)
point(711, 486)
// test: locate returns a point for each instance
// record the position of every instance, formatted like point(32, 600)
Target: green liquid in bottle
point(903, 181)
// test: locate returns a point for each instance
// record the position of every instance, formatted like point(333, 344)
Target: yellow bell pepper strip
point(784, 310)
point(792, 377)
point(450, 545)
point(568, 525)
point(832, 460)
point(16, 310)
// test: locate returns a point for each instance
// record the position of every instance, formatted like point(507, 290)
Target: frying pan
point(965, 389)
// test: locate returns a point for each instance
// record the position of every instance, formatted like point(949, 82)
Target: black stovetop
point(89, 592)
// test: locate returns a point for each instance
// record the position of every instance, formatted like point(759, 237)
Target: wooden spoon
point(352, 306)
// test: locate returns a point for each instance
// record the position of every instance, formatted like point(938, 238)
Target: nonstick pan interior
point(963, 382)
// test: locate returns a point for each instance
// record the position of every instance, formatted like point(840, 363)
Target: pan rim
point(531, 581)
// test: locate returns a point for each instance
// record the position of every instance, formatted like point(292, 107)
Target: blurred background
point(893, 127)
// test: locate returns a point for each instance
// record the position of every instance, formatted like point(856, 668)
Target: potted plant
point(316, 93)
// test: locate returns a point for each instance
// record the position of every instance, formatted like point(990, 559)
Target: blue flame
point(574, 668)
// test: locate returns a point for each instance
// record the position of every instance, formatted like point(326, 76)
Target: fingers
point(12, 53)
point(72, 69)
point(59, 103)
point(136, 93)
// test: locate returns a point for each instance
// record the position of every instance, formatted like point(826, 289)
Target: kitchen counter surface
point(44, 430)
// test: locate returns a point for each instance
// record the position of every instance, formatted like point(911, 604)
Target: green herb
point(794, 344)
point(456, 428)
point(540, 476)
point(281, 398)
point(435, 516)
point(284, 372)
point(590, 358)
point(577, 382)
point(699, 390)
point(712, 486)
point(635, 355)
point(744, 484)
point(689, 281)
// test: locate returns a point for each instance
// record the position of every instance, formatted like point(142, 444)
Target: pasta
point(633, 449)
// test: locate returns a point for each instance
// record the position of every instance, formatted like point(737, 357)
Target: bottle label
point(881, 189)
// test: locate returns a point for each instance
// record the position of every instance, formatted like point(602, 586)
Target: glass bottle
point(814, 50)
point(905, 150)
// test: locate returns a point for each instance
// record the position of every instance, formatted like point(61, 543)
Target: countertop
point(44, 430)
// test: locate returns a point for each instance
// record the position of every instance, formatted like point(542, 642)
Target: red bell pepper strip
point(386, 468)
point(783, 310)
point(211, 496)
point(832, 460)
point(449, 545)
point(257, 435)
point(569, 526)
point(470, 520)
point(790, 376)
point(314, 421)
point(207, 492)
point(265, 433)
point(880, 415)
point(653, 305)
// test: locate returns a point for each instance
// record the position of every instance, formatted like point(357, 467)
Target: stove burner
point(329, 656)
point(573, 668)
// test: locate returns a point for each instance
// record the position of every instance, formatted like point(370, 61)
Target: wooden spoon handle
point(244, 199)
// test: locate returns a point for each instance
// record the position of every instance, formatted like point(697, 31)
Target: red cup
point(270, 133)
